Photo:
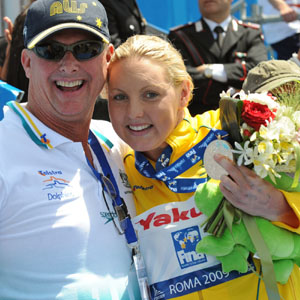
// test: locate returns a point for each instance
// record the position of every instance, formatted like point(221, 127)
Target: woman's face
point(144, 106)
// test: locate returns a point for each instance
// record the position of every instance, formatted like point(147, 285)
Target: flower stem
point(215, 224)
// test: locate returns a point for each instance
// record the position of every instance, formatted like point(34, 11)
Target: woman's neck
point(155, 153)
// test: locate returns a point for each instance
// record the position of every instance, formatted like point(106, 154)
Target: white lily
point(245, 153)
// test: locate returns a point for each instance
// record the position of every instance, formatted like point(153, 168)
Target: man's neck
point(212, 24)
point(218, 18)
point(76, 131)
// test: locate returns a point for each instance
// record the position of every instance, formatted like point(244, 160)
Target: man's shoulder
point(109, 138)
point(185, 27)
point(248, 25)
point(105, 132)
point(10, 119)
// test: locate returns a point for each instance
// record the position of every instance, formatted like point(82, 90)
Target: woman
point(149, 91)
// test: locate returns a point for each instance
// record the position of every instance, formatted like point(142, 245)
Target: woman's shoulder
point(209, 118)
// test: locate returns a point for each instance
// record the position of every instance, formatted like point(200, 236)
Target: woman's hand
point(244, 189)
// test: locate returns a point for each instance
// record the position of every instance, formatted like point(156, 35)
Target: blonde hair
point(159, 50)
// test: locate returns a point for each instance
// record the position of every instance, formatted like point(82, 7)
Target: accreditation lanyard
point(168, 173)
point(110, 186)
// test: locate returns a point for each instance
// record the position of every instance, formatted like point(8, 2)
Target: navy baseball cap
point(45, 17)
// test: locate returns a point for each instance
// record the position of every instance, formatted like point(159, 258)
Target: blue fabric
point(8, 93)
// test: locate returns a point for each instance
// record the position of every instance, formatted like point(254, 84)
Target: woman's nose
point(135, 110)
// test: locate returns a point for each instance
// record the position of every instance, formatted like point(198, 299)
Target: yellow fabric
point(294, 201)
point(150, 192)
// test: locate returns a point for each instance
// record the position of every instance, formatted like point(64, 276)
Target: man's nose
point(69, 63)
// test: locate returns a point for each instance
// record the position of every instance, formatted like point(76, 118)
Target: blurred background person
point(3, 45)
point(283, 36)
point(124, 19)
point(5, 42)
point(12, 71)
point(218, 51)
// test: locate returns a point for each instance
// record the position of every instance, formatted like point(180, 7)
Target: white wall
point(10, 8)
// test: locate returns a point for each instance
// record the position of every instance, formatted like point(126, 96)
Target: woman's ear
point(185, 93)
point(110, 52)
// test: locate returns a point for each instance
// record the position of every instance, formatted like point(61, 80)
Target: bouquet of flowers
point(265, 135)
point(270, 132)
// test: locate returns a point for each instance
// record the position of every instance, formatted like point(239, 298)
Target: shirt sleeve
point(293, 199)
point(3, 190)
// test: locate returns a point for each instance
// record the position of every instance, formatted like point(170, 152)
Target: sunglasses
point(82, 50)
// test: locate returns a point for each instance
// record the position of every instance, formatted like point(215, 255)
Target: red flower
point(247, 133)
point(256, 114)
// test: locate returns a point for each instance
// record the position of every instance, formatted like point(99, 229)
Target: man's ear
point(26, 62)
point(185, 93)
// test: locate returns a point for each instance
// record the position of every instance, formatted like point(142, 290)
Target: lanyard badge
point(141, 274)
point(128, 230)
point(110, 187)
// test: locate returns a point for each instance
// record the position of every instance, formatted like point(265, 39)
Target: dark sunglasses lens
point(87, 50)
point(81, 51)
point(50, 51)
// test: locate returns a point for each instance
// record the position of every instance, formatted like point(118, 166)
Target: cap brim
point(44, 34)
point(276, 83)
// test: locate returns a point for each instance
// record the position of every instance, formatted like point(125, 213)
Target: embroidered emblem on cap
point(98, 22)
point(58, 8)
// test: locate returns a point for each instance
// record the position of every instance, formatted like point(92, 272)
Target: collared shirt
point(212, 25)
point(218, 70)
point(57, 237)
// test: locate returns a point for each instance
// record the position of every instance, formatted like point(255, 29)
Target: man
point(284, 37)
point(217, 61)
point(59, 236)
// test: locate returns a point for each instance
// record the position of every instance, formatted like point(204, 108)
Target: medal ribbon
point(168, 173)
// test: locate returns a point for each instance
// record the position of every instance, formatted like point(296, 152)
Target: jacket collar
point(190, 131)
point(233, 34)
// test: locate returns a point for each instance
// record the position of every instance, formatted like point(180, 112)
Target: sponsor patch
point(185, 242)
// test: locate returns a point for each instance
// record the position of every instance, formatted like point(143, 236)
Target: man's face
point(211, 9)
point(65, 90)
